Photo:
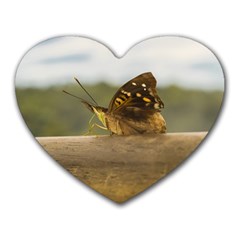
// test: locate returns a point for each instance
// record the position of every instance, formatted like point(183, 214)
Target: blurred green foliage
point(50, 112)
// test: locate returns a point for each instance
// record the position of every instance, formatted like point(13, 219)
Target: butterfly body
point(153, 123)
point(134, 109)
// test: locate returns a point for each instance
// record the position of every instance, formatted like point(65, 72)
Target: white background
point(39, 200)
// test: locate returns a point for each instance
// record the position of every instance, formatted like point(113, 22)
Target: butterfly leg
point(96, 125)
point(91, 126)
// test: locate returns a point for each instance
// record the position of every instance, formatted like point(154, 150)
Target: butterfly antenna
point(85, 90)
point(73, 95)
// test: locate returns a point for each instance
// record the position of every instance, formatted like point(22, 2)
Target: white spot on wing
point(156, 105)
point(133, 83)
point(143, 84)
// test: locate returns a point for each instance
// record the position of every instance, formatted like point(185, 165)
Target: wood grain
point(119, 167)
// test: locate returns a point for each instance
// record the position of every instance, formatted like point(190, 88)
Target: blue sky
point(172, 60)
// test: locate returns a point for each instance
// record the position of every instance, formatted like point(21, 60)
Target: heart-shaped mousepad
point(119, 124)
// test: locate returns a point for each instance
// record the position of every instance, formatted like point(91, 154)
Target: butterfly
point(134, 109)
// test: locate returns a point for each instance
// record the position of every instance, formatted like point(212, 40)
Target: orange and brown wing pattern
point(137, 97)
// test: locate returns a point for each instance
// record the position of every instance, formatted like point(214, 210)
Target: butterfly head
point(99, 111)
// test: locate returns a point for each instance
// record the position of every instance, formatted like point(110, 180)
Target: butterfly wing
point(137, 97)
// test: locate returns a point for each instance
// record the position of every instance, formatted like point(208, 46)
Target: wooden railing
point(120, 167)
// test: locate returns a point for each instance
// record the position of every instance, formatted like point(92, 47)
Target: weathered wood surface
point(120, 167)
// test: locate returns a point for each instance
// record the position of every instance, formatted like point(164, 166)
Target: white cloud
point(173, 60)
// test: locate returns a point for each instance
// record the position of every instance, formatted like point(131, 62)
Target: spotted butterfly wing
point(137, 98)
point(134, 109)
